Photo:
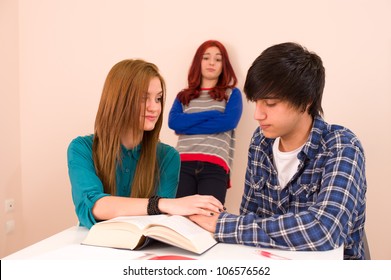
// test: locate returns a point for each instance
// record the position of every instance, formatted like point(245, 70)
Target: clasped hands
point(204, 210)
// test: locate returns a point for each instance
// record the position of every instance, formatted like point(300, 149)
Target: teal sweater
point(87, 188)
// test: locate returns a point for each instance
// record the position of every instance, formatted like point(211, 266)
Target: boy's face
point(278, 118)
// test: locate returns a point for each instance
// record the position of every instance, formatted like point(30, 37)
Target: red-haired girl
point(204, 116)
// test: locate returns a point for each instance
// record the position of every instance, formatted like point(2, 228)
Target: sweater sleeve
point(169, 164)
point(180, 122)
point(208, 122)
point(87, 188)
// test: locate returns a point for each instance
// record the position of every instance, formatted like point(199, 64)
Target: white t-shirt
point(286, 163)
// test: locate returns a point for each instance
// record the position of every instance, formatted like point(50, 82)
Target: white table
point(66, 246)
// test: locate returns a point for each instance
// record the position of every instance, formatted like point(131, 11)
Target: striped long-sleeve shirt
point(321, 208)
point(206, 127)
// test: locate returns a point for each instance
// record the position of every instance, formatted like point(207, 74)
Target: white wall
point(66, 48)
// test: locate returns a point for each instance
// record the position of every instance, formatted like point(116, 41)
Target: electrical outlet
point(9, 226)
point(9, 205)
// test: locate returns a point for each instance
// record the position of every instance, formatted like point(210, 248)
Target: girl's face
point(211, 64)
point(152, 105)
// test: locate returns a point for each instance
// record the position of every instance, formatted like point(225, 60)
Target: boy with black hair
point(305, 181)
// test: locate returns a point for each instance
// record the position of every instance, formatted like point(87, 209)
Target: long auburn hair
point(118, 113)
point(227, 78)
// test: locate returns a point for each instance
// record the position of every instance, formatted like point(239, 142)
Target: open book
point(132, 232)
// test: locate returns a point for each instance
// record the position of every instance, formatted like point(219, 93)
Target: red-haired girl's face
point(211, 66)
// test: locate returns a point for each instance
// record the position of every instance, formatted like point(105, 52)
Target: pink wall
point(59, 52)
point(10, 140)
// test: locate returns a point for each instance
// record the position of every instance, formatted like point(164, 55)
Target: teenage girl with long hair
point(123, 168)
point(204, 116)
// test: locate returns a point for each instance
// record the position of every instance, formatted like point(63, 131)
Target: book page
point(181, 232)
point(183, 226)
point(130, 232)
point(140, 221)
point(121, 232)
point(115, 235)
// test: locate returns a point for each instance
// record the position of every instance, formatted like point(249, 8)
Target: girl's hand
point(206, 205)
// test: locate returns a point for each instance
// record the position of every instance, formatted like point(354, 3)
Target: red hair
point(227, 78)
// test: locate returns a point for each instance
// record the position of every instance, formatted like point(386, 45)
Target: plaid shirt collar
point(313, 144)
point(311, 147)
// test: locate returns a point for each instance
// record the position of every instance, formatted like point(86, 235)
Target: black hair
point(288, 72)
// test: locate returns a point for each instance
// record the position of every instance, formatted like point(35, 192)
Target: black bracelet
point(153, 208)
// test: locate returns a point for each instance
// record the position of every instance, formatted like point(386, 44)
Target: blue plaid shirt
point(321, 208)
